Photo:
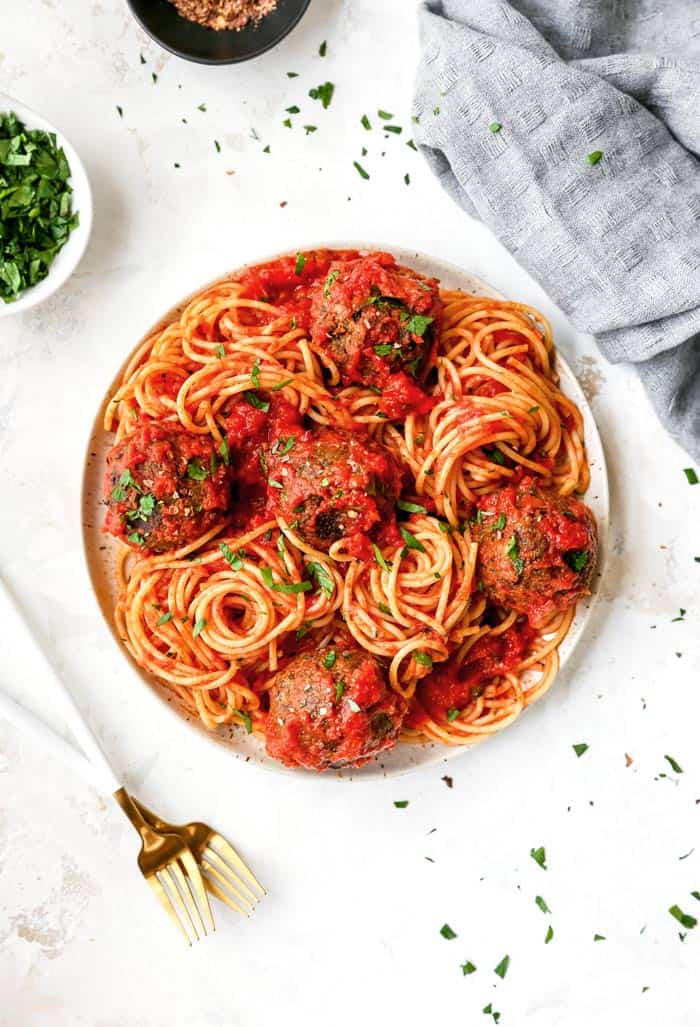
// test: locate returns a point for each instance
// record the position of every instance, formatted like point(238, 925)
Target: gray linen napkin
point(614, 239)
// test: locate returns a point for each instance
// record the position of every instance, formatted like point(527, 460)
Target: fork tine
point(234, 883)
point(217, 889)
point(163, 897)
point(194, 880)
point(173, 873)
point(227, 851)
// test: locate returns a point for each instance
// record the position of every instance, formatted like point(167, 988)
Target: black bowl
point(160, 20)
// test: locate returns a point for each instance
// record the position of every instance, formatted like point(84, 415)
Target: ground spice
point(225, 14)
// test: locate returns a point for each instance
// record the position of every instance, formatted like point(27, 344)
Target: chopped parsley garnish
point(447, 932)
point(418, 323)
point(685, 919)
point(513, 551)
point(36, 214)
point(533, 410)
point(144, 510)
point(299, 266)
point(401, 803)
point(539, 856)
point(323, 577)
point(196, 470)
point(396, 129)
point(423, 658)
point(324, 93)
point(577, 559)
point(496, 455)
point(468, 967)
point(384, 349)
point(217, 144)
point(281, 385)
point(288, 444)
point(120, 112)
point(339, 689)
point(580, 748)
point(260, 404)
point(274, 484)
point(404, 505)
point(675, 766)
point(292, 74)
point(379, 557)
point(224, 450)
point(292, 110)
point(233, 559)
point(285, 589)
point(541, 904)
point(329, 283)
point(500, 523)
point(407, 178)
point(681, 616)
point(384, 609)
point(255, 374)
point(495, 126)
point(287, 122)
point(384, 115)
point(599, 937)
point(136, 538)
point(411, 541)
point(360, 170)
point(199, 627)
point(365, 122)
point(323, 49)
point(202, 107)
point(126, 480)
point(691, 475)
point(502, 969)
point(329, 659)
point(594, 157)
point(245, 717)
point(452, 715)
point(310, 128)
point(549, 935)
point(164, 619)
point(220, 351)
point(489, 1010)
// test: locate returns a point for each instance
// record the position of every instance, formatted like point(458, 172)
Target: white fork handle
point(48, 739)
point(11, 617)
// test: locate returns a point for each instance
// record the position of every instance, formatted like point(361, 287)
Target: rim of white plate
point(101, 550)
point(68, 258)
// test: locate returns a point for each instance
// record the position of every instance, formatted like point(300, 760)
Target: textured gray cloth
point(616, 243)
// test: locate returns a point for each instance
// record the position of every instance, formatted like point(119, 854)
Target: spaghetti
point(477, 420)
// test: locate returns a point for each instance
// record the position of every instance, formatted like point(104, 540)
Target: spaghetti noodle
point(217, 616)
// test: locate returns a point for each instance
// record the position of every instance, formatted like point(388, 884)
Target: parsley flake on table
point(502, 969)
point(495, 126)
point(490, 1011)
point(360, 170)
point(401, 803)
point(323, 49)
point(580, 748)
point(594, 157)
point(674, 764)
point(681, 615)
point(365, 122)
point(36, 215)
point(541, 904)
point(691, 475)
point(549, 935)
point(324, 93)
point(447, 932)
point(540, 857)
point(468, 967)
point(599, 937)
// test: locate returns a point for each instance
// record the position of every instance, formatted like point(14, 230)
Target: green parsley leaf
point(411, 541)
point(533, 410)
point(246, 718)
point(233, 559)
point(384, 609)
point(407, 507)
point(385, 116)
point(339, 689)
point(379, 557)
point(599, 937)
point(496, 455)
point(495, 126)
point(217, 144)
point(330, 282)
point(119, 111)
point(549, 935)
point(407, 178)
point(164, 619)
point(542, 904)
point(292, 74)
point(281, 385)
point(136, 538)
point(423, 658)
point(577, 559)
point(196, 470)
point(299, 266)
point(452, 714)
point(513, 551)
point(417, 324)
point(539, 856)
point(580, 748)
point(401, 803)
point(691, 475)
point(285, 589)
point(685, 919)
point(360, 170)
point(594, 157)
point(502, 969)
point(199, 627)
point(329, 659)
point(323, 577)
point(254, 400)
point(224, 450)
point(324, 93)
point(310, 128)
point(220, 351)
point(292, 110)
point(500, 523)
point(447, 932)
point(365, 122)
point(675, 766)
point(467, 968)
point(323, 49)
point(384, 349)
point(396, 129)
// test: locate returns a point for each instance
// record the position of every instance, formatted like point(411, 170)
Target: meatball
point(537, 549)
point(164, 487)
point(331, 484)
point(378, 322)
point(332, 708)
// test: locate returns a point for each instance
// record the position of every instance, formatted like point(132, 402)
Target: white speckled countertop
point(350, 931)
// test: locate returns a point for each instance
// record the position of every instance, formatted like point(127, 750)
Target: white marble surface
point(350, 931)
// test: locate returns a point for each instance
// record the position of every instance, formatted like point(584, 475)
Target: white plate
point(101, 550)
point(68, 258)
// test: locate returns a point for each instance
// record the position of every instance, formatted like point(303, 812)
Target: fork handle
point(13, 619)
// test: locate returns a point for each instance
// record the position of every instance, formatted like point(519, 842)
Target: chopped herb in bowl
point(36, 205)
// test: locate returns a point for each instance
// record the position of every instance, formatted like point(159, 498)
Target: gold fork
point(165, 859)
point(224, 873)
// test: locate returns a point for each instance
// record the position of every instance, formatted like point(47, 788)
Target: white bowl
point(68, 258)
